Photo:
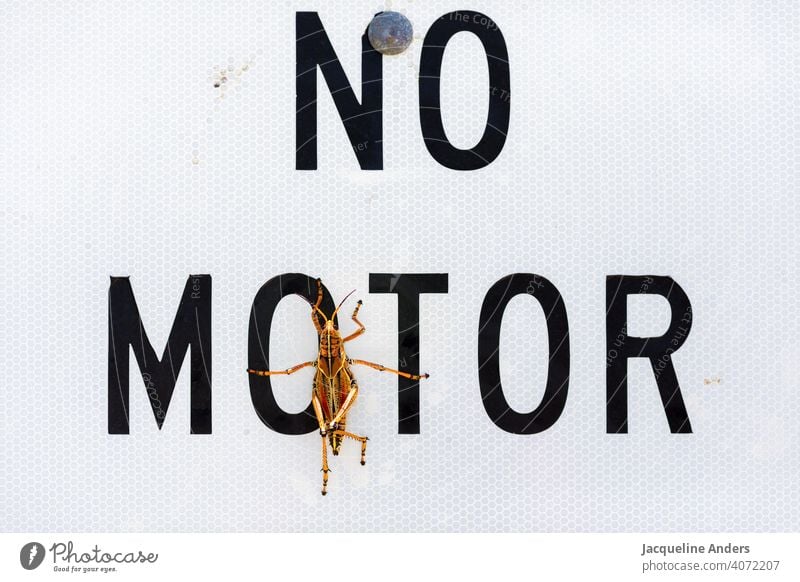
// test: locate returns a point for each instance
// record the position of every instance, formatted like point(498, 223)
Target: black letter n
point(363, 121)
point(192, 327)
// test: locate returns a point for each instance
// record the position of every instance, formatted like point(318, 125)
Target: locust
point(334, 388)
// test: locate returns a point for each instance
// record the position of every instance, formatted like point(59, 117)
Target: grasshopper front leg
point(315, 307)
point(382, 368)
point(288, 371)
point(361, 329)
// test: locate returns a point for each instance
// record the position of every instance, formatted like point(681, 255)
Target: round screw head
point(390, 33)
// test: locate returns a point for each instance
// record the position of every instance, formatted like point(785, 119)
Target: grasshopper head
point(330, 329)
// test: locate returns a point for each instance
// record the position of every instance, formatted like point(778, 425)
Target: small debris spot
point(224, 77)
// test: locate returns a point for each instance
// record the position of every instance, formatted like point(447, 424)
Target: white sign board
point(656, 141)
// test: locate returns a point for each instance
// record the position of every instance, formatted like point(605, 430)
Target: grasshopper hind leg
point(325, 469)
point(362, 439)
point(364, 451)
point(336, 439)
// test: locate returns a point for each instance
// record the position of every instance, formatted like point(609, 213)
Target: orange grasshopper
point(335, 389)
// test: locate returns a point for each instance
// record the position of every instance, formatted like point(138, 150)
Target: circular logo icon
point(31, 555)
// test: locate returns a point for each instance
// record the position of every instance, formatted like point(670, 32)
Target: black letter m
point(192, 327)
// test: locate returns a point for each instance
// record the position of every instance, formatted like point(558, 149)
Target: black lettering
point(556, 388)
point(363, 121)
point(261, 393)
point(408, 288)
point(430, 116)
point(658, 349)
point(192, 327)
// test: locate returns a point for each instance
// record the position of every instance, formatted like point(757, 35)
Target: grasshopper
point(334, 389)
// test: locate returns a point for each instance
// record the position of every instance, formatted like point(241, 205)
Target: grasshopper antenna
point(342, 303)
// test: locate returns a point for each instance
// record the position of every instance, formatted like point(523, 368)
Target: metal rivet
point(390, 33)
